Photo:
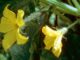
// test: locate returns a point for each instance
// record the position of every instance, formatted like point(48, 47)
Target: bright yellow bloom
point(53, 39)
point(10, 24)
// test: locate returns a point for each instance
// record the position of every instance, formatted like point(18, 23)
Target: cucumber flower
point(10, 25)
point(53, 39)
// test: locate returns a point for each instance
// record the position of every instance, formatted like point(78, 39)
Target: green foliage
point(2, 57)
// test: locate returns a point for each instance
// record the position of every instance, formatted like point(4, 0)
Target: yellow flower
point(10, 24)
point(53, 39)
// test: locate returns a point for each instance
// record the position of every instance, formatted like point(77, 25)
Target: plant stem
point(69, 2)
point(65, 7)
point(76, 4)
point(73, 24)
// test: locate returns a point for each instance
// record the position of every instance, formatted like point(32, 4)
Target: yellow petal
point(9, 39)
point(57, 46)
point(11, 16)
point(48, 31)
point(56, 52)
point(53, 39)
point(20, 15)
point(6, 25)
point(49, 41)
point(21, 39)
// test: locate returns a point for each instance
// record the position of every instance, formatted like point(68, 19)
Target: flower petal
point(57, 47)
point(9, 39)
point(48, 31)
point(49, 41)
point(56, 52)
point(20, 15)
point(6, 25)
point(21, 39)
point(10, 15)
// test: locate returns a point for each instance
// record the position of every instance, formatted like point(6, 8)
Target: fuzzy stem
point(35, 15)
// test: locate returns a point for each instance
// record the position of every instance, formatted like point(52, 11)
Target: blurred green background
point(32, 51)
